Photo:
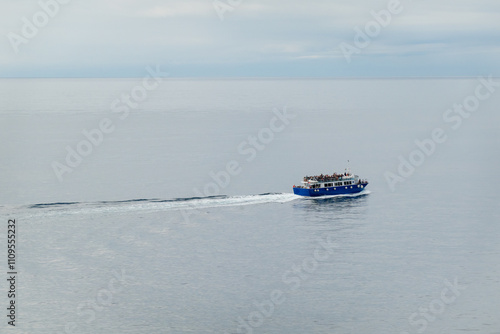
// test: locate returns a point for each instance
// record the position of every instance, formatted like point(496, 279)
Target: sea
point(166, 205)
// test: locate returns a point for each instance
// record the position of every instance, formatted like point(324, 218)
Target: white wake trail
point(155, 205)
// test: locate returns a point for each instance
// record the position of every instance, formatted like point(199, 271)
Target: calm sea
point(166, 206)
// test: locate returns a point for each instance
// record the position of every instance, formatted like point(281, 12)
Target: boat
point(327, 185)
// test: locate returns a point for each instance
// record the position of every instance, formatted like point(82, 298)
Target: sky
point(250, 38)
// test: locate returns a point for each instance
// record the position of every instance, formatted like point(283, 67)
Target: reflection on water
point(332, 214)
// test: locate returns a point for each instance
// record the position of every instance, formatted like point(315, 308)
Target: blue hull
point(341, 190)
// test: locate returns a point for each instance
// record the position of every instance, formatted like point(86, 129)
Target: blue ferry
point(335, 184)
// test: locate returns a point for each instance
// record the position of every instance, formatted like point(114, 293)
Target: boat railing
point(345, 178)
point(358, 181)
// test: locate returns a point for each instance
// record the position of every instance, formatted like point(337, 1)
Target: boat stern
point(301, 191)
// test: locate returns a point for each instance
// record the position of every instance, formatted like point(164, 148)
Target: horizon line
point(261, 78)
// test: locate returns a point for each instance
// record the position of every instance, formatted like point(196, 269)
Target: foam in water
point(160, 205)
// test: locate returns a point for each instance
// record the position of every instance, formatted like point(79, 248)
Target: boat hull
point(341, 190)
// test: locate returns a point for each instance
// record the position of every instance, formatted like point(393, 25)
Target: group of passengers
point(325, 178)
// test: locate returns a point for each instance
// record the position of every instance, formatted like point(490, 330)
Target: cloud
point(131, 34)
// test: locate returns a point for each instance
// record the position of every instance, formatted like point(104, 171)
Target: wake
point(192, 203)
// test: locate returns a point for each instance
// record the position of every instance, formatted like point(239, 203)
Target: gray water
point(139, 238)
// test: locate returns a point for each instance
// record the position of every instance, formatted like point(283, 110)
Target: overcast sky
point(254, 38)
